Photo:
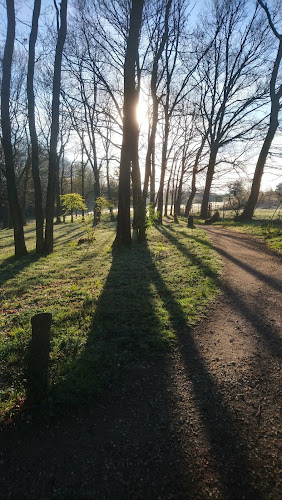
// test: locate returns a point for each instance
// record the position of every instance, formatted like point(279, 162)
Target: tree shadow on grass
point(126, 329)
point(12, 266)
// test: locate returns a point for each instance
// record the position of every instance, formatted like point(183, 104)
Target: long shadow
point(12, 266)
point(125, 329)
point(198, 261)
point(125, 336)
point(226, 443)
point(272, 282)
point(270, 335)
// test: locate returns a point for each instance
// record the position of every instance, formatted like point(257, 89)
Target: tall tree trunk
point(82, 178)
point(194, 175)
point(128, 149)
point(53, 158)
point(167, 193)
point(153, 180)
point(58, 192)
point(109, 191)
point(150, 160)
point(39, 217)
point(26, 186)
point(71, 187)
point(178, 198)
point(249, 209)
point(97, 187)
point(163, 168)
point(209, 179)
point(19, 241)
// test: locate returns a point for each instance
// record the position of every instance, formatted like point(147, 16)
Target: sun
point(142, 112)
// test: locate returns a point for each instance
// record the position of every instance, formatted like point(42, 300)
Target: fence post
point(39, 357)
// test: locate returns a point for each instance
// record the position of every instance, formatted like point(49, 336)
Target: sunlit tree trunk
point(15, 211)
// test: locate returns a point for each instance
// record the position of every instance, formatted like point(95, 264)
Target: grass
point(262, 226)
point(108, 309)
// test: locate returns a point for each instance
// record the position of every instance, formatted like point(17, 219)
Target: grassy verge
point(108, 309)
point(267, 230)
point(263, 226)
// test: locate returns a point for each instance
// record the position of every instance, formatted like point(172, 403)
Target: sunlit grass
point(108, 309)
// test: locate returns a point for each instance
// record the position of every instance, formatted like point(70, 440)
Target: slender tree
point(53, 157)
point(15, 211)
point(39, 217)
point(231, 84)
point(275, 96)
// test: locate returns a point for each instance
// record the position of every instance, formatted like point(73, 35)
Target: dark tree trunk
point(167, 194)
point(53, 158)
point(249, 209)
point(20, 248)
point(153, 180)
point(150, 160)
point(128, 149)
point(179, 186)
point(163, 169)
point(26, 186)
point(194, 175)
point(58, 193)
point(209, 179)
point(97, 187)
point(39, 217)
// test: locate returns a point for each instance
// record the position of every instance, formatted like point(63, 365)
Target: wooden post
point(39, 357)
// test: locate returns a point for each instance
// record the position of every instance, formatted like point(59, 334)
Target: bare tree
point(39, 217)
point(158, 41)
point(275, 96)
point(53, 157)
point(231, 83)
point(129, 150)
point(19, 240)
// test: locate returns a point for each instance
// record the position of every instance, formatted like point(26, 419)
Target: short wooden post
point(190, 221)
point(38, 376)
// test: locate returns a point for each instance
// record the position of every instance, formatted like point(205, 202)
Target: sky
point(272, 176)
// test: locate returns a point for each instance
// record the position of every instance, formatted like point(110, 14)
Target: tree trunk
point(58, 192)
point(179, 185)
point(194, 175)
point(209, 179)
point(167, 193)
point(248, 211)
point(163, 169)
point(39, 217)
point(19, 241)
point(128, 149)
point(53, 158)
point(26, 186)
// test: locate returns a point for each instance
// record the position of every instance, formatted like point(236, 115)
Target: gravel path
point(203, 423)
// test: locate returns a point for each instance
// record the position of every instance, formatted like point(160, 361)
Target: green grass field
point(109, 309)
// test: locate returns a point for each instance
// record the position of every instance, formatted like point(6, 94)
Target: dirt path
point(203, 423)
